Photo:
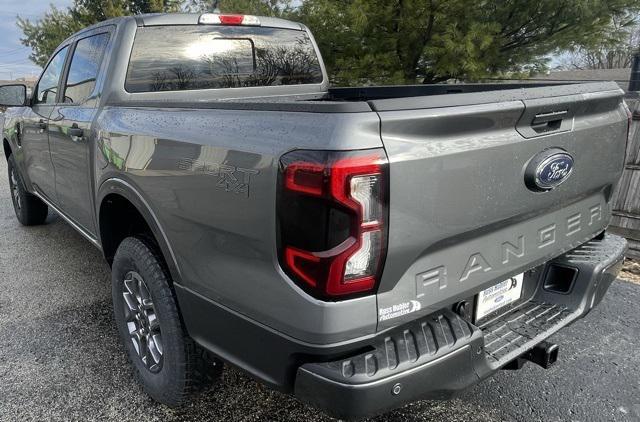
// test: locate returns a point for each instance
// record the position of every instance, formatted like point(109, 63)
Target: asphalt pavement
point(60, 358)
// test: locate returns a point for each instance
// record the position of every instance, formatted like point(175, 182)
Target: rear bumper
point(434, 356)
point(441, 354)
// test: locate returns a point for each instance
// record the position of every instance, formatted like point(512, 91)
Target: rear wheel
point(29, 209)
point(166, 361)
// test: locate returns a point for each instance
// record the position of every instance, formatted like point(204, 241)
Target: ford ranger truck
point(360, 248)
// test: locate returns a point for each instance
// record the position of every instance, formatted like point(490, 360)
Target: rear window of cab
point(180, 58)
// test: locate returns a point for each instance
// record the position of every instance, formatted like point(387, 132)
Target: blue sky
point(14, 57)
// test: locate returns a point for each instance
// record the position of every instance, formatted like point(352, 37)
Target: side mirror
point(13, 95)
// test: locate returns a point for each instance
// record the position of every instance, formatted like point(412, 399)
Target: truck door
point(70, 130)
point(35, 134)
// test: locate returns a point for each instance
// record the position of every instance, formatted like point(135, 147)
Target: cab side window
point(84, 69)
point(47, 88)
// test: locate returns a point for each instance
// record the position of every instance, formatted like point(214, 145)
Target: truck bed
point(381, 98)
point(456, 177)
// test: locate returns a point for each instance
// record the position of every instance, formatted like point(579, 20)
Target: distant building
point(29, 81)
point(621, 76)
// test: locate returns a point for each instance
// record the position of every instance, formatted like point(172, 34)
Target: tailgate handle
point(546, 122)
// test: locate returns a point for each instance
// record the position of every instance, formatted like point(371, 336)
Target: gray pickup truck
point(360, 248)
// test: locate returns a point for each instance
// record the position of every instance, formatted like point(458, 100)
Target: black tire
point(29, 209)
point(179, 370)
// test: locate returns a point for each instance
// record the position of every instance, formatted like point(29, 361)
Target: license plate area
point(498, 296)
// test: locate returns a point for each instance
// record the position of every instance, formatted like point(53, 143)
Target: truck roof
point(156, 19)
point(159, 19)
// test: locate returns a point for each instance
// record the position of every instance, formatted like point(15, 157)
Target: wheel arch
point(113, 195)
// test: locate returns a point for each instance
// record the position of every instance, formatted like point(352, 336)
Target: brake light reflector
point(362, 261)
point(231, 19)
point(332, 212)
point(365, 190)
point(216, 19)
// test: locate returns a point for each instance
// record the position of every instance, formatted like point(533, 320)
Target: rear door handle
point(42, 124)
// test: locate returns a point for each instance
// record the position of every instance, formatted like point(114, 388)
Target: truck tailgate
point(461, 215)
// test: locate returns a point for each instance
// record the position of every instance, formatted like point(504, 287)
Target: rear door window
point(85, 67)
point(178, 58)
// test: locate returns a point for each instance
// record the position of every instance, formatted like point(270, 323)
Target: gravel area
point(60, 358)
point(631, 271)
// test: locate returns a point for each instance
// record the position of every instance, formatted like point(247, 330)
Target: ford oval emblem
point(549, 169)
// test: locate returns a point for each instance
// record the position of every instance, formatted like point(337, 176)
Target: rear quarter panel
point(210, 178)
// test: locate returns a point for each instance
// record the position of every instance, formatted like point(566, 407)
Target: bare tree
point(183, 77)
point(159, 82)
point(613, 52)
point(274, 65)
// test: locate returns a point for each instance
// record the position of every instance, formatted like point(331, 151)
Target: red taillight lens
point(305, 178)
point(332, 214)
point(216, 19)
point(231, 19)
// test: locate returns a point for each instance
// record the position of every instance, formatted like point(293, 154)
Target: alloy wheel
point(142, 321)
point(15, 193)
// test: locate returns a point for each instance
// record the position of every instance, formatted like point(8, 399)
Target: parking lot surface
point(60, 358)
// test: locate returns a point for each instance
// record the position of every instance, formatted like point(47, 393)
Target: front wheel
point(166, 361)
point(29, 209)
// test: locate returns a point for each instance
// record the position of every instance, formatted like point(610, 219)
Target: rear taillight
point(332, 220)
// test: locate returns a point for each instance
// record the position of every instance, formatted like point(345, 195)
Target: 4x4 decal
point(230, 178)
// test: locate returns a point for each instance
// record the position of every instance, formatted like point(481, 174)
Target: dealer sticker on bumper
point(498, 296)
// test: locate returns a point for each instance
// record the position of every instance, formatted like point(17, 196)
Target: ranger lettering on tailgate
point(438, 277)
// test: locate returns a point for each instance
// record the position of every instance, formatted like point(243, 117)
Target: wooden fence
point(626, 201)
